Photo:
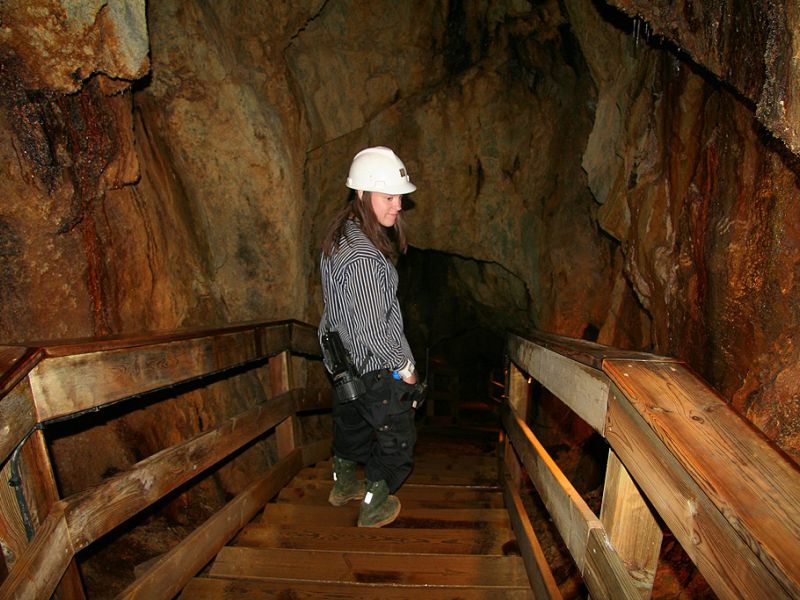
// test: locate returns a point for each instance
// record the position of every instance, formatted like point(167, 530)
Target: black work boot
point(379, 507)
point(346, 486)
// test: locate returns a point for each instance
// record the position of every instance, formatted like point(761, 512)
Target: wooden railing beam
point(721, 555)
point(583, 389)
point(543, 583)
point(569, 511)
point(94, 512)
point(168, 576)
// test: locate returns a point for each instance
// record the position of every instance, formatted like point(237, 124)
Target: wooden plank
point(41, 493)
point(478, 477)
point(280, 382)
point(242, 589)
point(12, 530)
point(69, 384)
point(604, 574)
point(15, 364)
point(167, 577)
point(540, 576)
point(722, 556)
point(570, 513)
point(581, 388)
point(37, 572)
point(304, 339)
point(371, 567)
point(519, 391)
point(754, 486)
point(585, 352)
point(316, 492)
point(313, 400)
point(315, 452)
point(280, 374)
point(393, 539)
point(630, 525)
point(346, 516)
point(272, 337)
point(98, 510)
point(17, 418)
point(448, 463)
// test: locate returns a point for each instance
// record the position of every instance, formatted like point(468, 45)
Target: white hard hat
point(379, 169)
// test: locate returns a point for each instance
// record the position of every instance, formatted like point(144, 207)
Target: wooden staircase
point(453, 538)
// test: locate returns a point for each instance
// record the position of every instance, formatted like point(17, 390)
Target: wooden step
point(477, 477)
point(408, 541)
point(460, 462)
point(411, 496)
point(346, 516)
point(371, 567)
point(208, 588)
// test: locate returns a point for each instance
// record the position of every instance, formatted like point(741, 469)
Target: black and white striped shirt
point(359, 288)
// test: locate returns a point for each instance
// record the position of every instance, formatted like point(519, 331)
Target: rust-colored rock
point(62, 43)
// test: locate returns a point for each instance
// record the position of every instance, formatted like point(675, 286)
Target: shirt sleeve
point(375, 315)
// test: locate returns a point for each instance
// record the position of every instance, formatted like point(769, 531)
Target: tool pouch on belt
point(347, 385)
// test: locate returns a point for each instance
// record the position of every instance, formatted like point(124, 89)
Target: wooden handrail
point(730, 498)
point(57, 380)
point(64, 378)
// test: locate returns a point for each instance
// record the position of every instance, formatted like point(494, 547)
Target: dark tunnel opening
point(457, 311)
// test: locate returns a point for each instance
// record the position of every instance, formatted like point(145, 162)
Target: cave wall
point(702, 199)
point(178, 167)
point(491, 131)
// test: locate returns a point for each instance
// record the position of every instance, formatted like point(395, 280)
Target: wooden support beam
point(569, 511)
point(41, 494)
point(583, 389)
point(94, 512)
point(68, 384)
point(312, 399)
point(519, 391)
point(630, 525)
point(755, 487)
point(316, 451)
point(167, 577)
point(280, 382)
point(725, 559)
point(304, 339)
point(603, 571)
point(541, 577)
point(17, 418)
point(38, 571)
point(510, 464)
point(580, 529)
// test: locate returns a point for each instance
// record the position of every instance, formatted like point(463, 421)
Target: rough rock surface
point(579, 171)
point(751, 46)
point(704, 206)
point(64, 42)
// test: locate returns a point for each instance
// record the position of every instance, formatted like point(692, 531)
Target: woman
point(359, 285)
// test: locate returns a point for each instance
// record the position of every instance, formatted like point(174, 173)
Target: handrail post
point(519, 391)
point(630, 525)
point(41, 493)
point(280, 382)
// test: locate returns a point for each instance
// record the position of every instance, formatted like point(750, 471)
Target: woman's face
point(386, 208)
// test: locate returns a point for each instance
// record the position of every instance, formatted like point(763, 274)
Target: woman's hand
point(411, 379)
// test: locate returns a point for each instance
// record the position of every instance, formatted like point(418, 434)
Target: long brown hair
point(391, 241)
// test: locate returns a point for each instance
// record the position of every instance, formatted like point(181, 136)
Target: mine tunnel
point(605, 221)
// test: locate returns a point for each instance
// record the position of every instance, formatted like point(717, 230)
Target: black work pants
point(378, 430)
